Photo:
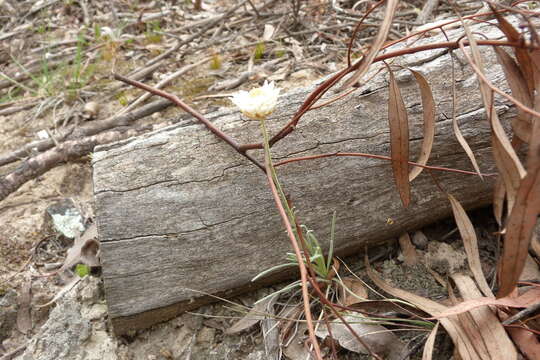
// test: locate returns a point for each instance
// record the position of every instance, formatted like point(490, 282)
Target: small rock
point(94, 312)
point(206, 335)
point(8, 313)
point(66, 218)
point(68, 335)
point(442, 258)
point(63, 334)
point(91, 109)
point(420, 240)
point(90, 292)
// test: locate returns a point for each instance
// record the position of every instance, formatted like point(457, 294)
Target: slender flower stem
point(279, 200)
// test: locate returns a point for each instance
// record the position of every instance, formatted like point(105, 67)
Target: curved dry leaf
point(380, 340)
point(520, 91)
point(532, 296)
point(498, 344)
point(257, 313)
point(428, 347)
point(508, 163)
point(526, 341)
point(499, 194)
point(428, 107)
point(399, 139)
point(519, 231)
point(455, 126)
point(470, 242)
point(352, 291)
point(522, 54)
point(382, 34)
point(452, 326)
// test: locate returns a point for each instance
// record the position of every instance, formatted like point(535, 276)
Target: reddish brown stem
point(381, 157)
point(303, 272)
point(175, 100)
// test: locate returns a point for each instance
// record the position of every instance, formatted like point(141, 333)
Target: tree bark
point(181, 215)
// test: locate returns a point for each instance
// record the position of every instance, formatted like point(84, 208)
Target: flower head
point(258, 103)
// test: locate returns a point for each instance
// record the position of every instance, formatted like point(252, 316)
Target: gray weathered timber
point(177, 209)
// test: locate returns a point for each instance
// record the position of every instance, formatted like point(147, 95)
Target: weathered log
point(178, 209)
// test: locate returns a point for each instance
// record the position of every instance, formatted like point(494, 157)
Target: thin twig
point(381, 157)
point(174, 99)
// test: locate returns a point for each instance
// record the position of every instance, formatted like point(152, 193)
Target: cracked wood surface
point(178, 210)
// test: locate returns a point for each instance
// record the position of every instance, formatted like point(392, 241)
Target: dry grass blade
point(428, 348)
point(518, 85)
point(399, 139)
point(428, 106)
point(470, 242)
point(257, 313)
point(455, 126)
point(528, 298)
point(519, 231)
point(495, 338)
point(460, 338)
point(382, 34)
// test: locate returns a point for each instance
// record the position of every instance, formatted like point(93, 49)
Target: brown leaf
point(428, 347)
point(498, 344)
point(460, 338)
point(85, 250)
point(518, 86)
point(353, 291)
point(526, 341)
point(380, 340)
point(399, 140)
point(407, 249)
point(498, 201)
point(530, 297)
point(470, 243)
point(428, 106)
point(519, 231)
point(508, 163)
point(255, 314)
point(455, 126)
point(522, 55)
point(382, 34)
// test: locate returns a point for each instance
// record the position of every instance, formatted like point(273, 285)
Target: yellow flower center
point(256, 92)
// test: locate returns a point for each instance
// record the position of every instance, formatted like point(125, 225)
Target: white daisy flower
point(258, 103)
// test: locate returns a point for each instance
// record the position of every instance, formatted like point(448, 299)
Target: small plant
point(259, 51)
point(152, 32)
point(215, 63)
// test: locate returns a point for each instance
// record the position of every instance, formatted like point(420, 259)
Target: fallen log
point(179, 210)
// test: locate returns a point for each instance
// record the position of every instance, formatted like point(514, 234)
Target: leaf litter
point(86, 251)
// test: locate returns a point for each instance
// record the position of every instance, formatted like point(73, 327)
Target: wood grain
point(177, 209)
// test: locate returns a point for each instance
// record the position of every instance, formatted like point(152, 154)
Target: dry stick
point(66, 151)
point(429, 7)
point(531, 310)
point(174, 99)
point(94, 127)
point(163, 83)
point(381, 157)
